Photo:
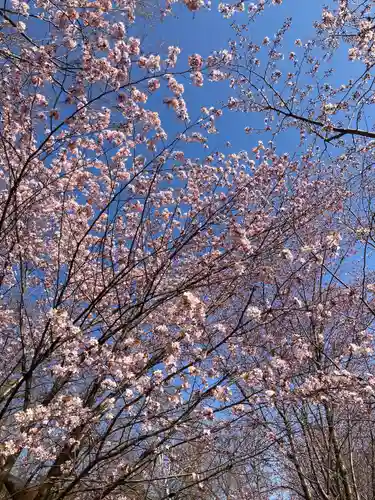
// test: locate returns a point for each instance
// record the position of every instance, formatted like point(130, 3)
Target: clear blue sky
point(206, 31)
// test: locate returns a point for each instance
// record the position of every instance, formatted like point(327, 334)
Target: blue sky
point(208, 30)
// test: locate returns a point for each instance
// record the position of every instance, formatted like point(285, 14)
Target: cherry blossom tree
point(178, 321)
point(296, 88)
point(322, 410)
